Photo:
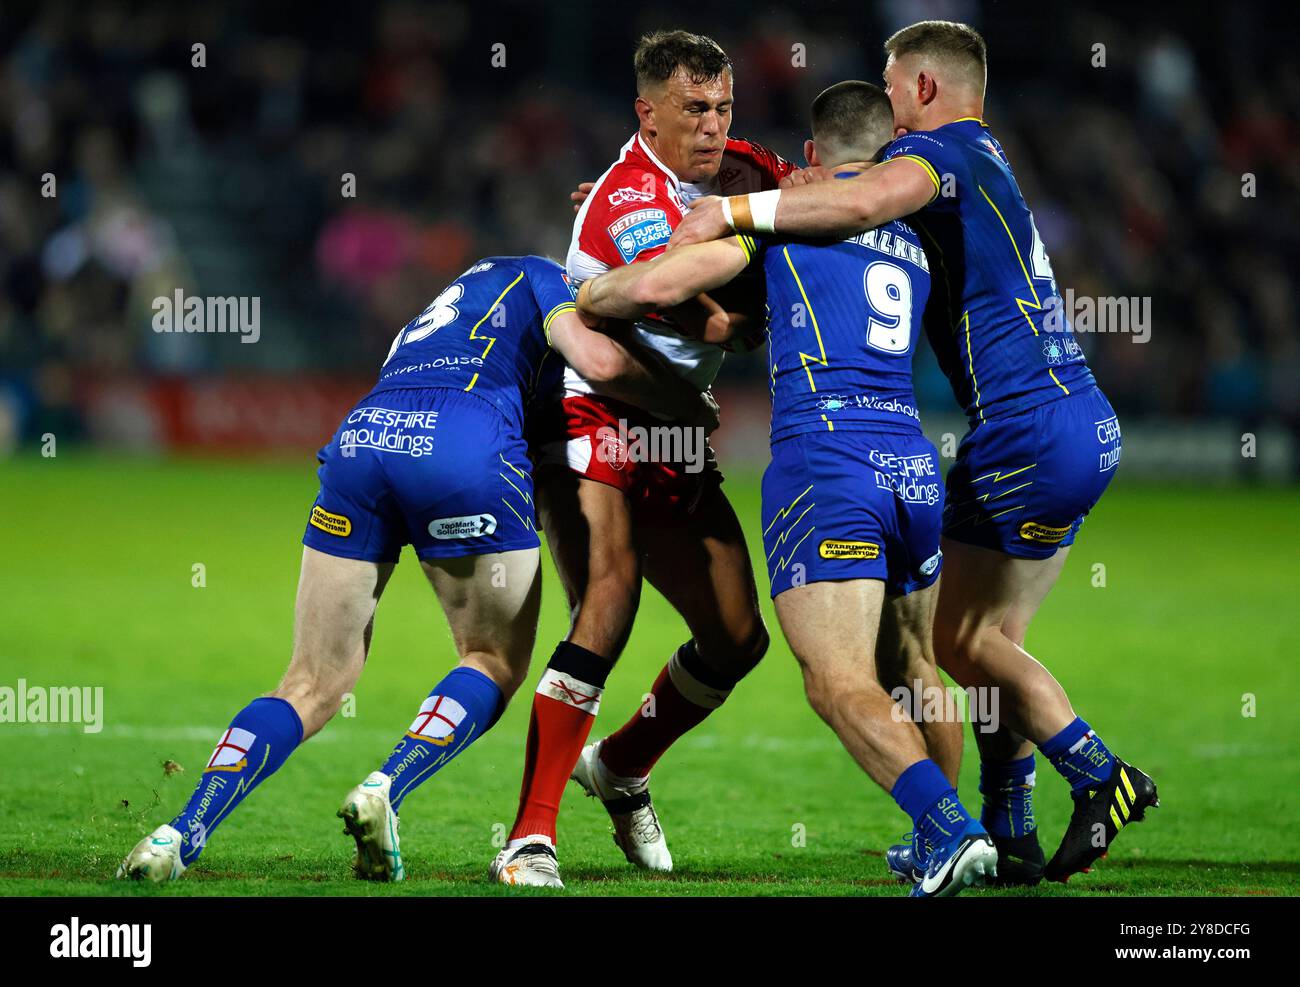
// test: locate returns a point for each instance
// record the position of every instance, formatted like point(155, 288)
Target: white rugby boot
point(156, 858)
point(368, 817)
point(532, 864)
point(636, 825)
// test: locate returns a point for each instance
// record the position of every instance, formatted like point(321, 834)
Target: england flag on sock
point(438, 719)
point(232, 751)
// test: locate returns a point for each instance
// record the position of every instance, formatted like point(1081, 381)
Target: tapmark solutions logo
point(75, 941)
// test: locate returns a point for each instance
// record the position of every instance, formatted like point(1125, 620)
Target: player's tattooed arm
point(886, 192)
point(671, 279)
point(617, 365)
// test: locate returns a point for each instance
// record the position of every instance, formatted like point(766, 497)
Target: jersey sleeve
point(769, 166)
point(631, 218)
point(939, 156)
point(554, 291)
point(753, 246)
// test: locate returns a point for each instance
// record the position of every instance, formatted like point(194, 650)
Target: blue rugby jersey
point(995, 323)
point(842, 329)
point(487, 333)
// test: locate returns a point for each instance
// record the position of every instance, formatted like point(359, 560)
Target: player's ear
point(810, 153)
point(926, 88)
point(645, 112)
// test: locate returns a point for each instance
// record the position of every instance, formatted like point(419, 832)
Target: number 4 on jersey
point(1042, 267)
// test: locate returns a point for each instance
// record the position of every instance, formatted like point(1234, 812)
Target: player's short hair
point(851, 121)
point(959, 45)
point(659, 54)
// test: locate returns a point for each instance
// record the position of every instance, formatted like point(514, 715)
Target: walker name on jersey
point(913, 479)
point(893, 245)
point(638, 231)
point(408, 433)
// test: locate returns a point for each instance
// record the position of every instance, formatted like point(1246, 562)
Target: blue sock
point(1008, 790)
point(259, 739)
point(1080, 756)
point(459, 710)
point(928, 797)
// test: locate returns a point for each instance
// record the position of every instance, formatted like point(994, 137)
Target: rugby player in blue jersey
point(852, 499)
point(434, 457)
point(1043, 440)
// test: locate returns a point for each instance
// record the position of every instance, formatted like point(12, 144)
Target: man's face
point(900, 87)
point(689, 123)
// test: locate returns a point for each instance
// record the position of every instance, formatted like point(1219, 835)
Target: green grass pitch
point(1197, 611)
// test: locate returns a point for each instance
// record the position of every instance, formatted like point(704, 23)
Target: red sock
point(681, 701)
point(564, 708)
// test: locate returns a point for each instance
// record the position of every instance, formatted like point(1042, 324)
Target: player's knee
point(508, 675)
point(961, 648)
point(314, 704)
point(754, 646)
point(314, 689)
point(821, 695)
point(1015, 629)
point(819, 687)
point(735, 655)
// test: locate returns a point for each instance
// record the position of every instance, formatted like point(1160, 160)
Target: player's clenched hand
point(805, 176)
point(703, 223)
point(707, 415)
point(579, 195)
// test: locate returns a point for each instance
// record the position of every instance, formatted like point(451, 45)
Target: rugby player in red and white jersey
point(611, 518)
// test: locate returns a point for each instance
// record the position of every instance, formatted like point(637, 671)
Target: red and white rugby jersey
point(630, 216)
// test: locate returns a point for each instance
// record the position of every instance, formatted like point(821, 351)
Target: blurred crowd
point(149, 147)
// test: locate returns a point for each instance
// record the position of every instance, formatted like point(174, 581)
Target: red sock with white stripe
point(564, 708)
point(684, 694)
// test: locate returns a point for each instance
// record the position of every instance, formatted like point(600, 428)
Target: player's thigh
point(1019, 615)
point(981, 588)
point(491, 603)
point(831, 628)
point(334, 608)
point(702, 567)
point(589, 531)
point(905, 644)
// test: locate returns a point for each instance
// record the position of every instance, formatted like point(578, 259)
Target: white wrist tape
point(726, 213)
point(762, 206)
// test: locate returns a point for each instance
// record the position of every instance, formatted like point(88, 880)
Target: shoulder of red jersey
point(629, 215)
point(748, 166)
